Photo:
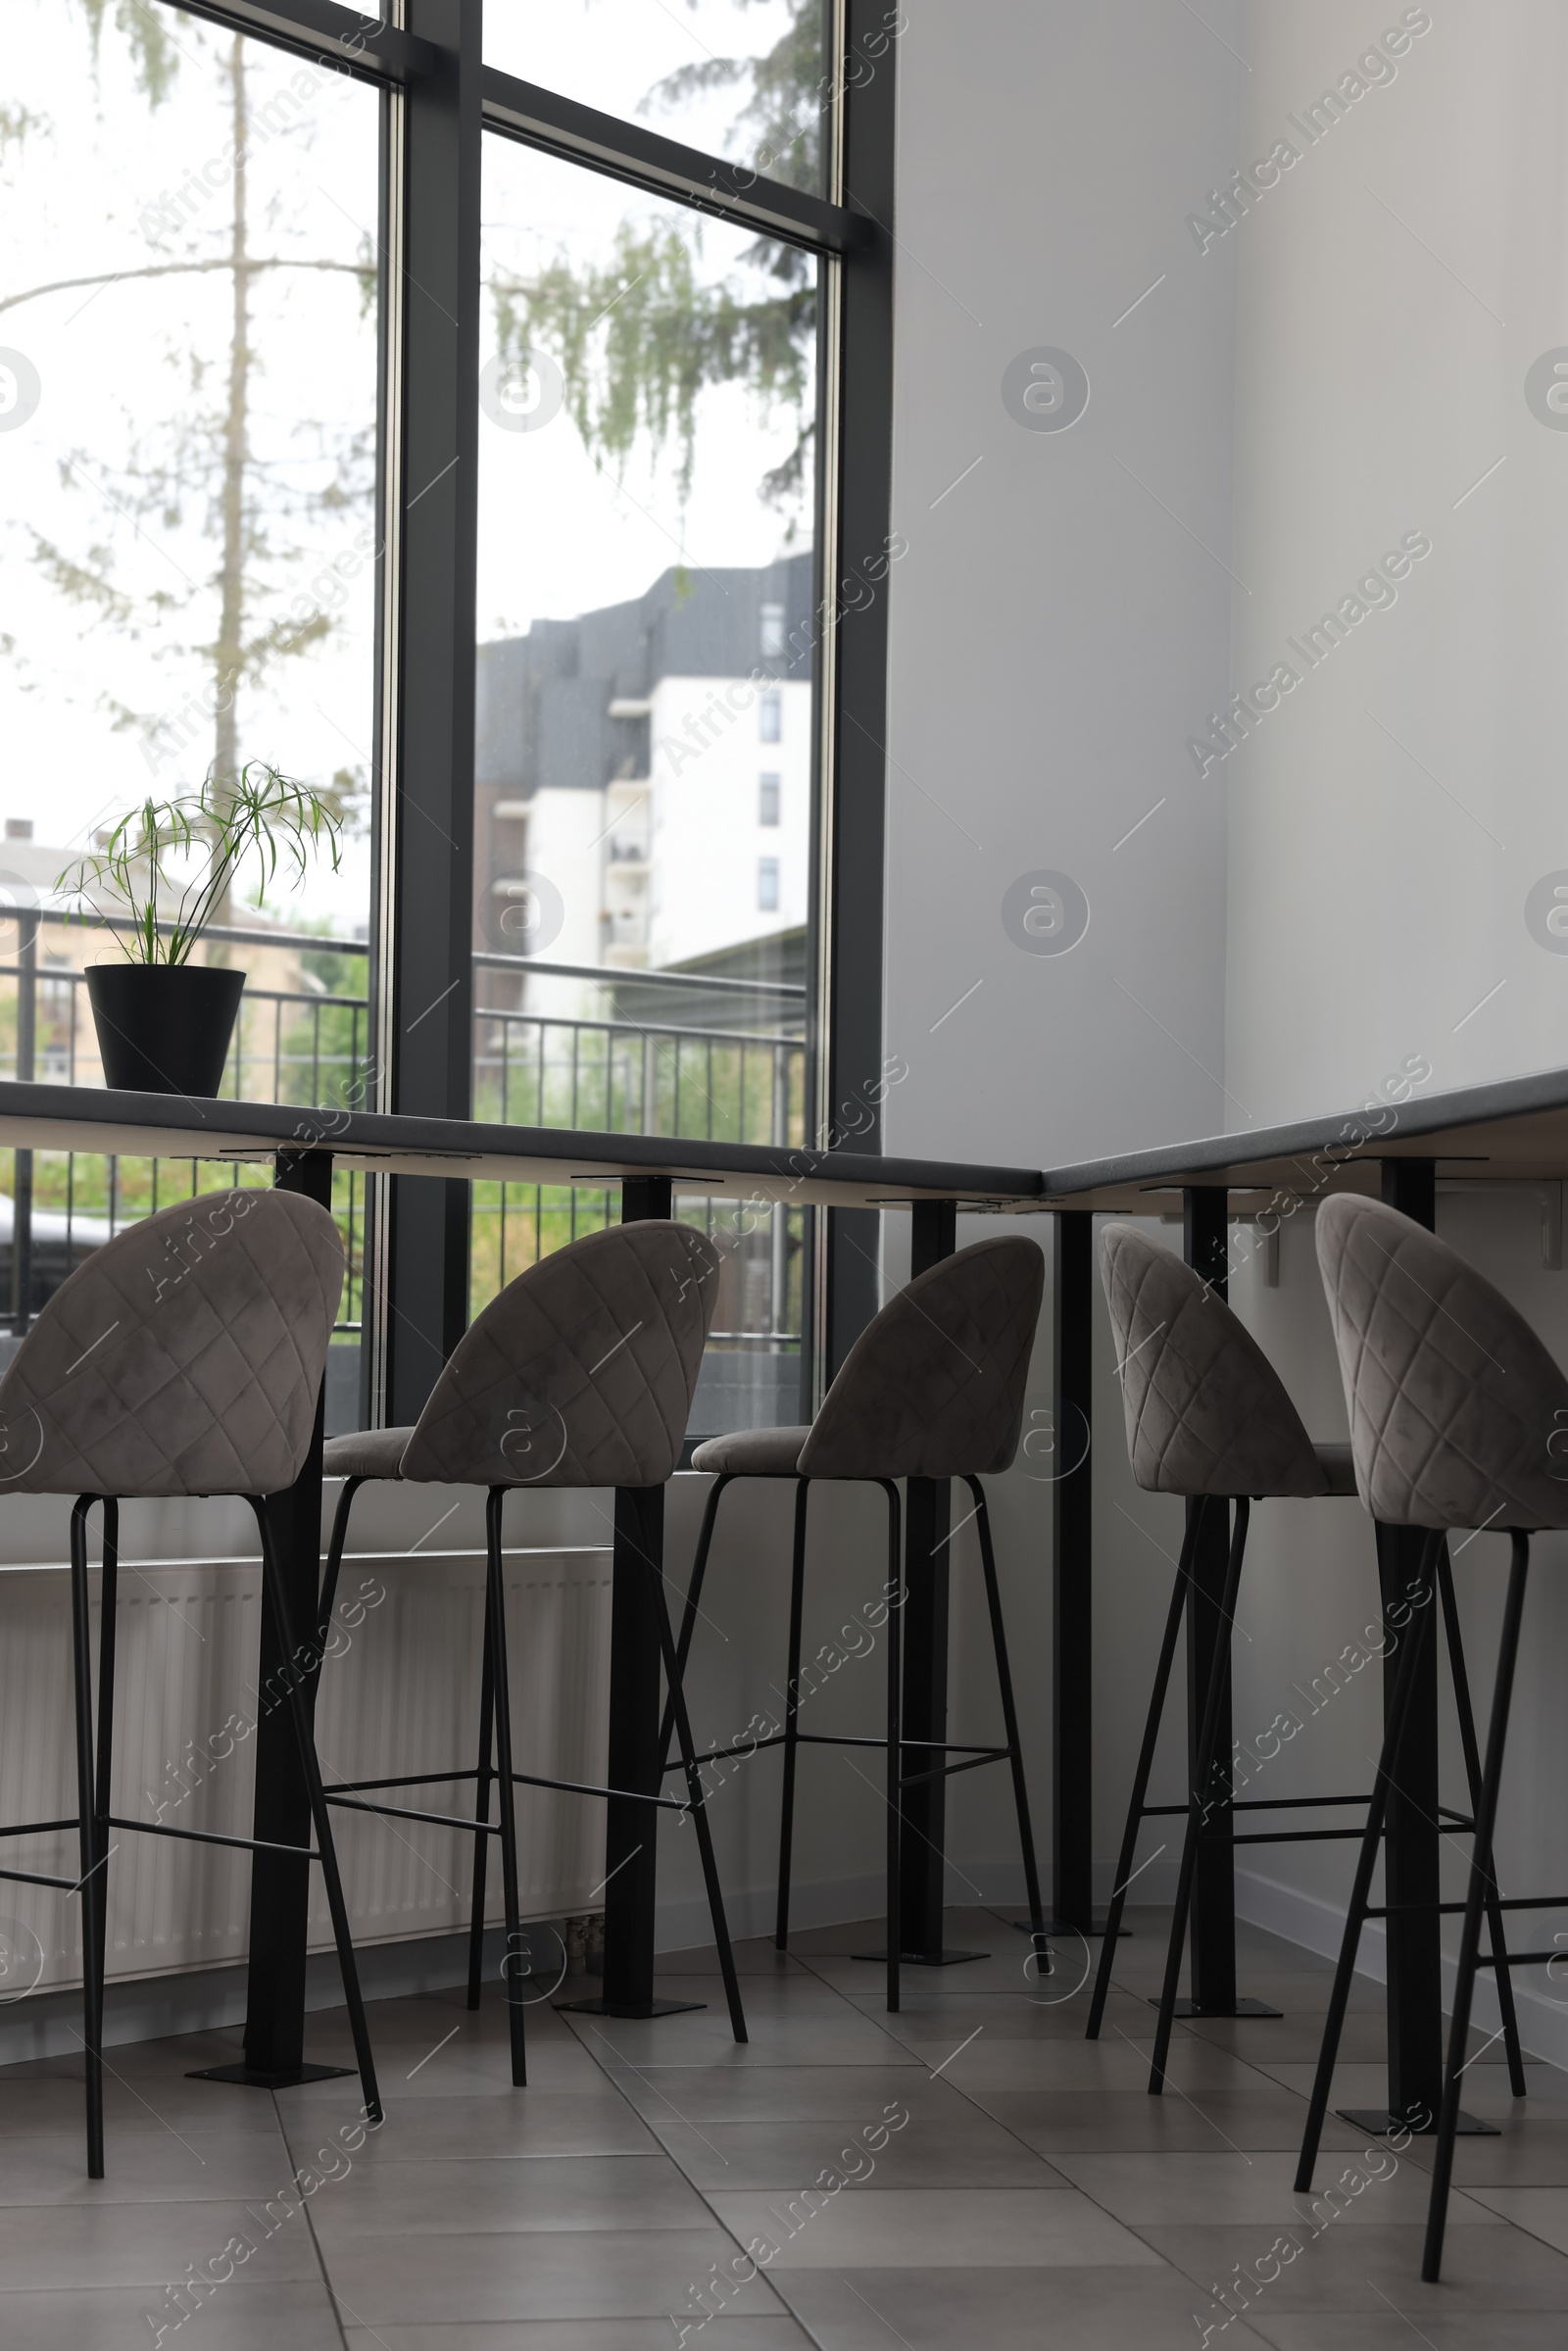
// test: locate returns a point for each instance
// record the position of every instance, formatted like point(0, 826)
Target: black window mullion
point(424, 903)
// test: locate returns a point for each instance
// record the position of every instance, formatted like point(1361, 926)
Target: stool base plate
point(922, 1958)
point(1242, 2008)
point(603, 2007)
point(252, 2077)
point(1378, 2121)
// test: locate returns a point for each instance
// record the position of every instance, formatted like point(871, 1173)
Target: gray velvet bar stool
point(933, 1388)
point(1208, 1418)
point(185, 1357)
point(1457, 1419)
point(580, 1374)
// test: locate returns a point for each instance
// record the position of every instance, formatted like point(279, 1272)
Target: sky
point(105, 387)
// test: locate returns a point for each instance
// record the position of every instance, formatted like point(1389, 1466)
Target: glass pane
point(740, 77)
point(189, 389)
point(643, 778)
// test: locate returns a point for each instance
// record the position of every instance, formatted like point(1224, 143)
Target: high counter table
point(1514, 1133)
point(303, 1144)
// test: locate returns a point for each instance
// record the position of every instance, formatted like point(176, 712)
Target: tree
point(641, 335)
point(203, 458)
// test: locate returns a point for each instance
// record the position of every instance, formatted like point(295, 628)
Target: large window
point(188, 391)
point(644, 596)
point(256, 465)
point(737, 78)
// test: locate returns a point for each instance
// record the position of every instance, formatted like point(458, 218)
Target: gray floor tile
point(940, 2228)
point(156, 2166)
point(240, 2316)
point(534, 2121)
point(1000, 2310)
point(1540, 2211)
point(1097, 2121)
point(1151, 2191)
point(578, 2192)
point(1391, 2330)
point(1351, 2269)
point(827, 2093)
point(964, 2149)
point(837, 2036)
point(780, 2334)
point(457, 2280)
point(45, 2247)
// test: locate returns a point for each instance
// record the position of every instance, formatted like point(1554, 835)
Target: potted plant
point(160, 877)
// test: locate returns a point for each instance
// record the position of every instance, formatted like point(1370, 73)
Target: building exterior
point(643, 777)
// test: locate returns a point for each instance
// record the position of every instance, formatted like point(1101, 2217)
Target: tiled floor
point(982, 2176)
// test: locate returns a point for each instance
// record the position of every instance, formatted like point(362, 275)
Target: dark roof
point(543, 708)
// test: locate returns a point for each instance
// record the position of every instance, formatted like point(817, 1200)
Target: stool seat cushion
point(753, 1453)
point(366, 1454)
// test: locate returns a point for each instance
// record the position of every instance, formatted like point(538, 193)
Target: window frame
point(439, 102)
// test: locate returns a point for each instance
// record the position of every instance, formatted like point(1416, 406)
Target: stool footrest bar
point(209, 1836)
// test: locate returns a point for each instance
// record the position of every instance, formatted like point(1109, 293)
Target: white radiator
point(398, 1693)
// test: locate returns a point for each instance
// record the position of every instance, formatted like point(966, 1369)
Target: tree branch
point(111, 278)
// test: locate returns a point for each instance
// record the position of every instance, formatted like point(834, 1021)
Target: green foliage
point(641, 336)
point(784, 111)
point(258, 813)
point(156, 51)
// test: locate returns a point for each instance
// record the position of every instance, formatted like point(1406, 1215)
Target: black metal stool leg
point(791, 1708)
point(1397, 1714)
point(1146, 1764)
point(334, 1560)
point(1009, 1720)
point(698, 1798)
point(1472, 1766)
point(502, 1711)
point(895, 1793)
point(89, 1890)
point(321, 1816)
point(694, 1593)
point(1198, 1801)
point(1475, 1903)
point(481, 1805)
point(108, 1584)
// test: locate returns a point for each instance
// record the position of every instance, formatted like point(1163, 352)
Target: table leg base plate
point(253, 2078)
point(620, 2008)
point(922, 1958)
point(1071, 1926)
point(1378, 2121)
point(1242, 2008)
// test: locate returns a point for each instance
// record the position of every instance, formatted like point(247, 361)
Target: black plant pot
point(163, 1028)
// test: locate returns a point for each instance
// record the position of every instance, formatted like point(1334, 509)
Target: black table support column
point(928, 1514)
point(1411, 1844)
point(280, 1889)
point(632, 1829)
point(1212, 1936)
point(1072, 1574)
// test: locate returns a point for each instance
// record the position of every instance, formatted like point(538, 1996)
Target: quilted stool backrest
point(581, 1372)
point(1458, 1415)
point(186, 1356)
point(1205, 1408)
point(934, 1387)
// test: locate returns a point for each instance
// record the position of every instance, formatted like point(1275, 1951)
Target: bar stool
point(580, 1374)
point(1456, 1419)
point(1208, 1417)
point(138, 1381)
point(933, 1388)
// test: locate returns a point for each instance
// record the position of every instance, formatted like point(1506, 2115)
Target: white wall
point(1058, 626)
point(1390, 819)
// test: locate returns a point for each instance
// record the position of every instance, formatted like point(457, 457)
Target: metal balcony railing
point(730, 1081)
